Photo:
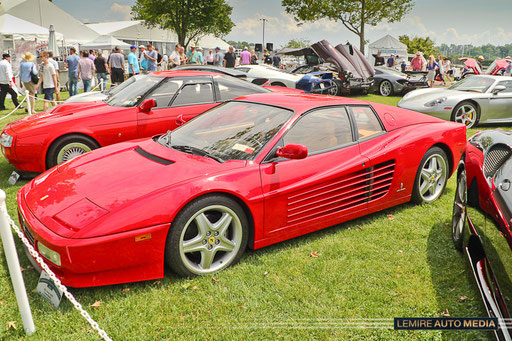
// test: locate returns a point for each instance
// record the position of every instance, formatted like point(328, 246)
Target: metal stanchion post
point(29, 102)
point(14, 268)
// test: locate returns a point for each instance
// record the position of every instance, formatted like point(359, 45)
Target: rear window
point(230, 87)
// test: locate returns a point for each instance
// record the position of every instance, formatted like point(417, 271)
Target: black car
point(481, 221)
point(388, 82)
point(223, 70)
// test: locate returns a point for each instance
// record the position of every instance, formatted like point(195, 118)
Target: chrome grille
point(495, 158)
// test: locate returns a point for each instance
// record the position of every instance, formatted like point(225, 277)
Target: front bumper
point(104, 260)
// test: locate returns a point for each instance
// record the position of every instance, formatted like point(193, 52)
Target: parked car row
point(197, 166)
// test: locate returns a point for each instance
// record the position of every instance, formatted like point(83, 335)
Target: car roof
point(212, 68)
point(182, 73)
point(298, 102)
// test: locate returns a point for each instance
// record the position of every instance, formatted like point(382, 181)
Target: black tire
point(53, 158)
point(383, 88)
point(335, 89)
point(459, 213)
point(189, 263)
point(278, 84)
point(435, 186)
point(467, 104)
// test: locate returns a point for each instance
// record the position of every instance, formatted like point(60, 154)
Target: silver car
point(473, 100)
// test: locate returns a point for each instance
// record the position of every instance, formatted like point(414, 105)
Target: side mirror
point(293, 151)
point(498, 88)
point(147, 105)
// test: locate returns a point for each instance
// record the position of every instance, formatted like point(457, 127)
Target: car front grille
point(495, 158)
point(26, 230)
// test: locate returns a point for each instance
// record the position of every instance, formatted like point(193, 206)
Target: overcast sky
point(446, 21)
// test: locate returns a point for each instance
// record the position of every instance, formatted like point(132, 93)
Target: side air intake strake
point(340, 193)
point(495, 158)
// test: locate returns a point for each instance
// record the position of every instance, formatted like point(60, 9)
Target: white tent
point(19, 28)
point(388, 45)
point(44, 13)
point(105, 42)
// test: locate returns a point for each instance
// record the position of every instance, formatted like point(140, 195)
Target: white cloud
point(124, 10)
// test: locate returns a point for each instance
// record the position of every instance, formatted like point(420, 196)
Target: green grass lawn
point(395, 263)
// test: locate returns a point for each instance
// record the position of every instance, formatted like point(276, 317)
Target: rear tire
point(385, 88)
point(466, 113)
point(69, 147)
point(431, 177)
point(335, 89)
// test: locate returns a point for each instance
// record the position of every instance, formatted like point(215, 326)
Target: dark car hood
point(72, 196)
point(345, 60)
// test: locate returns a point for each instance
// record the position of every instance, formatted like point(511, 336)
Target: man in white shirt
point(6, 82)
point(56, 66)
point(174, 58)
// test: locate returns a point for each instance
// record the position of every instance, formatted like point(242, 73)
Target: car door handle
point(180, 120)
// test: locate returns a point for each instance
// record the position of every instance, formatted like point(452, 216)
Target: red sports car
point(251, 172)
point(146, 105)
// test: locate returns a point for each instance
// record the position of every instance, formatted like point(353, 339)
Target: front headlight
point(6, 140)
point(435, 102)
point(49, 254)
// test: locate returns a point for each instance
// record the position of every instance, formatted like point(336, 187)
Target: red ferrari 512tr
point(251, 172)
point(144, 106)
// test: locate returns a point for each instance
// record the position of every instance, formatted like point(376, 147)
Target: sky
point(445, 21)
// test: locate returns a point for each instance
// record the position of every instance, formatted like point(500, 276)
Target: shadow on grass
point(454, 284)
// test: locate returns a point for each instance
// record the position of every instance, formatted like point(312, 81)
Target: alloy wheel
point(72, 150)
point(385, 88)
point(433, 178)
point(211, 239)
point(459, 210)
point(466, 114)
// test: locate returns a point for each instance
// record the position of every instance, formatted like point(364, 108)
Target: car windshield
point(232, 131)
point(114, 90)
point(130, 95)
point(473, 83)
point(491, 68)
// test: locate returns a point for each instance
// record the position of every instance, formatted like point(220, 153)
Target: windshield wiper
point(197, 151)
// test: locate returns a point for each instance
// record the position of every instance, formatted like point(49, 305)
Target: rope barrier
point(56, 281)
point(12, 112)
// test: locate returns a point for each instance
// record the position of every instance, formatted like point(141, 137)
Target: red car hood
point(61, 110)
point(72, 196)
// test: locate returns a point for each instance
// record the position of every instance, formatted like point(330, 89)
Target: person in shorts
point(48, 80)
point(116, 65)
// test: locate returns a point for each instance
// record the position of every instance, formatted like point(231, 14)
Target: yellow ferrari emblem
point(211, 240)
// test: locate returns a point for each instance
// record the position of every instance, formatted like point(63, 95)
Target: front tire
point(385, 88)
point(69, 147)
point(207, 236)
point(431, 177)
point(459, 214)
point(466, 113)
point(335, 89)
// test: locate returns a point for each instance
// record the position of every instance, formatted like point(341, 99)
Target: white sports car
point(311, 82)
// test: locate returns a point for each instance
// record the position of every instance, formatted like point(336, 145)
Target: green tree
point(298, 43)
point(355, 15)
point(425, 45)
point(189, 19)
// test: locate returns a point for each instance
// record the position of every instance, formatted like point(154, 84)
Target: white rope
point(54, 278)
point(44, 100)
point(12, 112)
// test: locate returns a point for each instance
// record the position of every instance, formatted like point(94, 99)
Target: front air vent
point(495, 158)
point(153, 157)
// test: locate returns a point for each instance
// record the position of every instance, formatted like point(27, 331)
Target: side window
point(507, 84)
point(194, 94)
point(164, 93)
point(367, 124)
point(230, 88)
point(321, 130)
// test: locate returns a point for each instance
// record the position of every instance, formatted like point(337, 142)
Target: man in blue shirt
point(193, 56)
point(391, 61)
point(151, 58)
point(133, 61)
point(72, 65)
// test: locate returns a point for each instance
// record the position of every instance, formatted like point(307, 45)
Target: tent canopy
point(11, 25)
point(388, 45)
point(105, 42)
point(44, 13)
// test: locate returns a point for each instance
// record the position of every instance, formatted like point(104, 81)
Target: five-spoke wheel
point(459, 210)
point(431, 177)
point(207, 236)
